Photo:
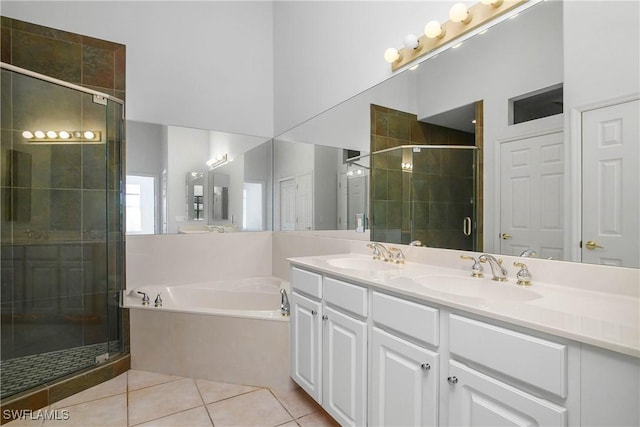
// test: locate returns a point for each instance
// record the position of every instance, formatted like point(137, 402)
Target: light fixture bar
point(480, 14)
point(42, 137)
point(217, 162)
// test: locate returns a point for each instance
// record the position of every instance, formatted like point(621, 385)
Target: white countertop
point(607, 320)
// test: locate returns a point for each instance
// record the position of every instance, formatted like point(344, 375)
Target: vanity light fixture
point(460, 13)
point(218, 161)
point(463, 21)
point(62, 137)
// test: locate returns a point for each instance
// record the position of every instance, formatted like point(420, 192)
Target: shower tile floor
point(140, 398)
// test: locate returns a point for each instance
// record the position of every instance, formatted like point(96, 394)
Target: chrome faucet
point(399, 257)
point(415, 243)
point(285, 308)
point(528, 253)
point(145, 298)
point(380, 252)
point(497, 270)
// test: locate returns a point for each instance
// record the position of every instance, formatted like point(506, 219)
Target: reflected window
point(140, 204)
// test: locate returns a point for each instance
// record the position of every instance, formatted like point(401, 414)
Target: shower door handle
point(466, 226)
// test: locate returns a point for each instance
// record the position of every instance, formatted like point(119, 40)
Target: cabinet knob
point(452, 380)
point(314, 312)
point(325, 317)
point(425, 366)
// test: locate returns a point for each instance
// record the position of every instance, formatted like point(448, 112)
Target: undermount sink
point(362, 264)
point(471, 287)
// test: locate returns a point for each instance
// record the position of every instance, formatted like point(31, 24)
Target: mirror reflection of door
point(288, 204)
point(357, 197)
point(343, 218)
point(304, 201)
point(141, 204)
point(531, 195)
point(611, 185)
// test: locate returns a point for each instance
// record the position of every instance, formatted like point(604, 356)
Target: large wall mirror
point(466, 151)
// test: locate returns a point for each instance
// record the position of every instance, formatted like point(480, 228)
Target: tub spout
point(284, 303)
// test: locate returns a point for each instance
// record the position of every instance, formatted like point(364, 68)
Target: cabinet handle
point(452, 380)
point(314, 312)
point(425, 366)
point(325, 317)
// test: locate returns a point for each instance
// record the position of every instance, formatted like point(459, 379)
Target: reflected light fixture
point(62, 137)
point(434, 30)
point(460, 13)
point(217, 161)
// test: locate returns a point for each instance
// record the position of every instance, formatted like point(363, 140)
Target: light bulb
point(411, 41)
point(433, 30)
point(39, 134)
point(391, 55)
point(27, 135)
point(359, 171)
point(63, 134)
point(89, 135)
point(51, 134)
point(459, 13)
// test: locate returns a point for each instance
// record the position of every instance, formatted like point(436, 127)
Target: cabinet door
point(476, 399)
point(345, 368)
point(306, 345)
point(404, 382)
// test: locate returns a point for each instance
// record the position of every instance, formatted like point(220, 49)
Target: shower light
point(39, 134)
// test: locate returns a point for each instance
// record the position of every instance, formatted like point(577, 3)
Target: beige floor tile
point(296, 401)
point(213, 391)
point(196, 417)
point(117, 385)
point(106, 412)
point(258, 408)
point(317, 419)
point(163, 399)
point(289, 424)
point(28, 420)
point(141, 379)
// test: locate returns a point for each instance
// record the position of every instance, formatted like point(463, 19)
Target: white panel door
point(476, 399)
point(288, 204)
point(404, 383)
point(306, 345)
point(344, 384)
point(531, 195)
point(304, 202)
point(342, 201)
point(611, 185)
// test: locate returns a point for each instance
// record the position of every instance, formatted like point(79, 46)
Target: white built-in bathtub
point(222, 330)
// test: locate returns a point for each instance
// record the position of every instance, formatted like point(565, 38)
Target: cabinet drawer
point(406, 317)
point(345, 295)
point(535, 361)
point(306, 282)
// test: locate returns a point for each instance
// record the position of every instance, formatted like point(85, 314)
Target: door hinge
point(99, 99)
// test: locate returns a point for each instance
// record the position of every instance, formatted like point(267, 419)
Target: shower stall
point(61, 164)
point(426, 193)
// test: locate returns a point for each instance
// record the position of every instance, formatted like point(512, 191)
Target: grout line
point(283, 406)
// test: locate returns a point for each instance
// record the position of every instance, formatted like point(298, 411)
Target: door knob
point(313, 312)
point(505, 236)
point(591, 245)
point(325, 317)
point(452, 380)
point(425, 366)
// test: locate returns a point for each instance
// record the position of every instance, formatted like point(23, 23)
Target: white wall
point(202, 64)
point(328, 51)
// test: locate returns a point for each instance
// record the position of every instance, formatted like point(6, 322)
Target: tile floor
point(139, 398)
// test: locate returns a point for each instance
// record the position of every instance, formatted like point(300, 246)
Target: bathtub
point(224, 330)
point(256, 297)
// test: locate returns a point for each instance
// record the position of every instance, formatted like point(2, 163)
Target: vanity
point(380, 343)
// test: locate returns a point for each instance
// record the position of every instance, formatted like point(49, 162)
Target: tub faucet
point(145, 298)
point(497, 270)
point(158, 301)
point(284, 303)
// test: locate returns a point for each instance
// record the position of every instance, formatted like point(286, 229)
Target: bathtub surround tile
point(212, 391)
point(164, 399)
point(196, 417)
point(265, 410)
point(141, 379)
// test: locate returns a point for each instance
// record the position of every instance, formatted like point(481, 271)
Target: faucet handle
point(145, 298)
point(476, 268)
point(158, 301)
point(399, 258)
point(523, 275)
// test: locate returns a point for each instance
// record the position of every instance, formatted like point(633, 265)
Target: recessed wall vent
point(536, 105)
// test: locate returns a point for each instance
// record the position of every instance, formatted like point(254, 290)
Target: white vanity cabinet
point(404, 372)
point(329, 344)
point(494, 373)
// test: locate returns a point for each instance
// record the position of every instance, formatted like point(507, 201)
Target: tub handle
point(285, 309)
point(158, 301)
point(145, 298)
